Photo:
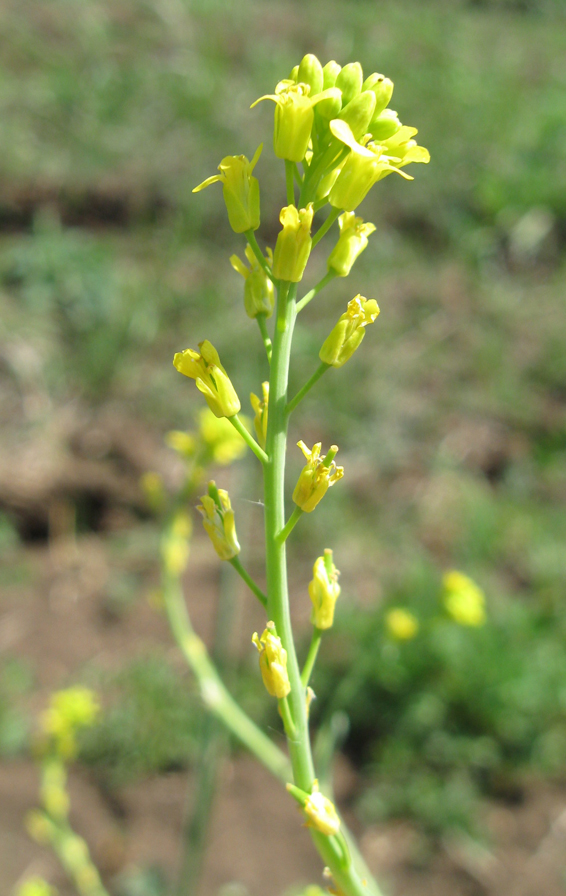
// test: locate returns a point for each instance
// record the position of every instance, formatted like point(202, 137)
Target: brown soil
point(60, 620)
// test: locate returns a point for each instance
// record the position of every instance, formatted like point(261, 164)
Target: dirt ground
point(59, 621)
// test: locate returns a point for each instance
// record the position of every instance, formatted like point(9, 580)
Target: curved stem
point(311, 656)
point(291, 405)
point(214, 694)
point(324, 228)
point(316, 289)
point(248, 438)
point(289, 525)
point(235, 562)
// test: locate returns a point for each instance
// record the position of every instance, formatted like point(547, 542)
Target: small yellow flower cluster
point(463, 599)
point(68, 711)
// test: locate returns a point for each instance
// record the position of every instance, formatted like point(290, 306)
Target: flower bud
point(384, 125)
point(330, 72)
point(321, 813)
point(316, 477)
point(330, 107)
point(260, 409)
point(210, 377)
point(359, 112)
point(240, 190)
point(294, 242)
point(382, 87)
point(351, 243)
point(272, 662)
point(348, 333)
point(294, 76)
point(349, 80)
point(310, 72)
point(324, 591)
point(259, 294)
point(218, 521)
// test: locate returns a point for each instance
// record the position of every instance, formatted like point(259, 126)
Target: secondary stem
point(316, 289)
point(264, 335)
point(311, 656)
point(249, 581)
point(248, 438)
point(307, 387)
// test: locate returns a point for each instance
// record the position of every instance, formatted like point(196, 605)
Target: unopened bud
point(349, 80)
point(324, 591)
point(385, 125)
point(330, 72)
point(359, 112)
point(272, 662)
point(310, 72)
point(348, 333)
point(218, 521)
point(382, 87)
point(294, 242)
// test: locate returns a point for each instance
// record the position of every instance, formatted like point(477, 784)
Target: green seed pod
point(385, 125)
point(383, 89)
point(310, 72)
point(359, 112)
point(330, 72)
point(294, 76)
point(330, 107)
point(350, 81)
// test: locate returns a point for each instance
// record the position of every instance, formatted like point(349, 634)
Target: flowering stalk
point(338, 128)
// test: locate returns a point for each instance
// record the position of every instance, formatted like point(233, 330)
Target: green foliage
point(455, 713)
point(149, 724)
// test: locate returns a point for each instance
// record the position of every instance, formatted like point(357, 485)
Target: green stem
point(331, 849)
point(289, 182)
point(313, 292)
point(289, 525)
point(249, 581)
point(333, 214)
point(248, 438)
point(291, 405)
point(297, 175)
point(276, 561)
point(288, 723)
point(264, 335)
point(250, 236)
point(215, 696)
point(76, 862)
point(311, 656)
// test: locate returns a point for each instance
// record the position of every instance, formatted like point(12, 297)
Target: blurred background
point(451, 422)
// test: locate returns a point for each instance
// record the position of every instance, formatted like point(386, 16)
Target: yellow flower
point(366, 163)
point(321, 813)
point(351, 243)
point(463, 599)
point(348, 333)
point(68, 711)
point(218, 521)
point(182, 442)
point(240, 190)
point(316, 477)
point(401, 624)
point(294, 117)
point(210, 377)
point(223, 442)
point(324, 591)
point(272, 662)
point(260, 407)
point(259, 293)
point(294, 242)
